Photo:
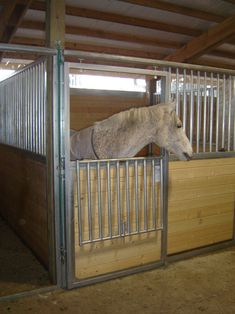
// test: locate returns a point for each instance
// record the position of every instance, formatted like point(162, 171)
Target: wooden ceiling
point(199, 32)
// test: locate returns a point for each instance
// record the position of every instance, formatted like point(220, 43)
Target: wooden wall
point(201, 203)
point(23, 198)
point(89, 106)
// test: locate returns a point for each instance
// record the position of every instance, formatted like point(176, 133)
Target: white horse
point(124, 134)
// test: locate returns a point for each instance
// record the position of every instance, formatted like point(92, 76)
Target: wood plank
point(210, 39)
point(23, 198)
point(201, 203)
point(109, 256)
point(176, 8)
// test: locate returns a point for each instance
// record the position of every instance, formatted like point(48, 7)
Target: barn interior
point(194, 43)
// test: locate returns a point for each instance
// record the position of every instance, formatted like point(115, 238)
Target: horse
point(124, 134)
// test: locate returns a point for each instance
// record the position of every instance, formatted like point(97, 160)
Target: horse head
point(170, 134)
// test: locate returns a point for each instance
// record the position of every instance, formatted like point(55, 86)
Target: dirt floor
point(204, 284)
point(19, 269)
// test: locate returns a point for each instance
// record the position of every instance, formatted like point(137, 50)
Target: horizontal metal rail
point(27, 49)
point(84, 55)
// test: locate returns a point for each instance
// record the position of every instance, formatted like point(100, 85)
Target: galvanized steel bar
point(128, 198)
point(211, 111)
point(191, 107)
point(100, 216)
point(184, 99)
point(205, 114)
point(145, 197)
point(229, 110)
point(177, 91)
point(154, 216)
point(89, 202)
point(137, 222)
point(24, 113)
point(119, 212)
point(198, 111)
point(217, 113)
point(80, 216)
point(223, 113)
point(109, 200)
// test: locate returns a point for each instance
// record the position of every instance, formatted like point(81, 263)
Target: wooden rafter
point(207, 41)
point(175, 8)
point(83, 31)
point(11, 16)
point(231, 1)
point(123, 19)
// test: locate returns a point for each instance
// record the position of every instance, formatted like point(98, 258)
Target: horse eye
point(179, 125)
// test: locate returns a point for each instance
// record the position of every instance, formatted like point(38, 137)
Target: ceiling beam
point(88, 32)
point(179, 9)
point(11, 17)
point(230, 1)
point(207, 41)
point(122, 19)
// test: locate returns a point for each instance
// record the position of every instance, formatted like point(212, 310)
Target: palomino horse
point(124, 134)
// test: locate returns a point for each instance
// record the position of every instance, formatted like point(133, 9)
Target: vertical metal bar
point(211, 111)
point(39, 109)
point(164, 204)
point(36, 107)
point(80, 229)
point(89, 201)
point(119, 214)
point(229, 110)
point(234, 123)
point(100, 218)
point(145, 198)
point(137, 222)
point(177, 91)
point(191, 108)
point(205, 114)
point(217, 113)
point(223, 112)
point(184, 100)
point(44, 104)
point(154, 216)
point(109, 200)
point(128, 198)
point(198, 110)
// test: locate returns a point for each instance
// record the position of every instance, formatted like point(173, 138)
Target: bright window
point(107, 83)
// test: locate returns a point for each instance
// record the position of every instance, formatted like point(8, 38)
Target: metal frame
point(166, 66)
point(51, 152)
point(71, 281)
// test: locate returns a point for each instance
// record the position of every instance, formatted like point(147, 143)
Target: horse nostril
point(186, 155)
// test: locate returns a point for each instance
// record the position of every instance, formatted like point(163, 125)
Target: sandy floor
point(204, 284)
point(19, 269)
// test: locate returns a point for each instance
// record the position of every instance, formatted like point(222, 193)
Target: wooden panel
point(23, 198)
point(201, 203)
point(85, 109)
point(113, 255)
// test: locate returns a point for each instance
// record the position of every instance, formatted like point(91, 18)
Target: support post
point(55, 30)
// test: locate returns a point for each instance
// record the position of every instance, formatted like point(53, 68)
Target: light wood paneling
point(201, 203)
point(23, 198)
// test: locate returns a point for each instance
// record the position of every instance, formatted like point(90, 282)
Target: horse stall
point(126, 215)
point(24, 171)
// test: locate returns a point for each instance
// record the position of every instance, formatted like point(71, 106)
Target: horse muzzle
point(186, 155)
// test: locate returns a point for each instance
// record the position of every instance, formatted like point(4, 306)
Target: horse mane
point(126, 118)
